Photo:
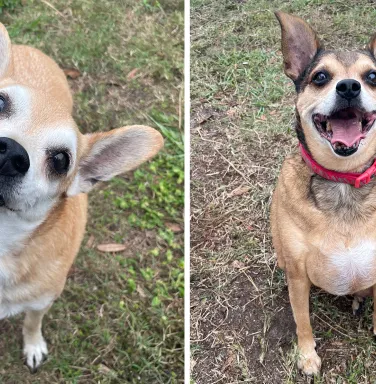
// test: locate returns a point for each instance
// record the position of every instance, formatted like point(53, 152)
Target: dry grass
point(242, 329)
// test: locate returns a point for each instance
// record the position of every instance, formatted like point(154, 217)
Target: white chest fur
point(14, 231)
point(351, 268)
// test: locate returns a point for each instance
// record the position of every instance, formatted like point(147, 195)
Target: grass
point(242, 329)
point(120, 318)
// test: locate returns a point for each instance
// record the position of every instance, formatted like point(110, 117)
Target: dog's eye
point(320, 78)
point(60, 162)
point(3, 104)
point(371, 77)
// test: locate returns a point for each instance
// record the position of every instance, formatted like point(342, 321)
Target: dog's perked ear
point(299, 44)
point(5, 53)
point(372, 45)
point(112, 153)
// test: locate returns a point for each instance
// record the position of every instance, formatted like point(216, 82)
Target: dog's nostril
point(355, 87)
point(20, 163)
point(342, 87)
point(3, 147)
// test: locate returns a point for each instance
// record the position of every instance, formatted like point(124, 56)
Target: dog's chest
point(345, 269)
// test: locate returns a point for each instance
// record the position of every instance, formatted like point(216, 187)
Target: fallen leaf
point(104, 369)
point(202, 116)
point(72, 73)
point(174, 227)
point(141, 292)
point(132, 74)
point(239, 191)
point(238, 264)
point(100, 314)
point(263, 118)
point(90, 242)
point(230, 359)
point(111, 247)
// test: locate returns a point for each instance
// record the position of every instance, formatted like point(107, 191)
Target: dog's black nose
point(348, 88)
point(14, 160)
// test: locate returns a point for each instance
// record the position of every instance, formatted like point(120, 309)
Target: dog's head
point(43, 156)
point(336, 96)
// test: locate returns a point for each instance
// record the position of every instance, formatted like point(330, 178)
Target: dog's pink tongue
point(346, 131)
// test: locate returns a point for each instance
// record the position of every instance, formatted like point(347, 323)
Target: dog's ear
point(372, 45)
point(5, 53)
point(112, 153)
point(299, 44)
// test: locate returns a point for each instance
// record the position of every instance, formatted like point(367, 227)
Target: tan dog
point(323, 213)
point(46, 167)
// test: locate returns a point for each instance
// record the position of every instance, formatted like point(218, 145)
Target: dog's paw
point(35, 354)
point(309, 362)
point(358, 306)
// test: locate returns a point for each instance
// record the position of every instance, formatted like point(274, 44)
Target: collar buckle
point(366, 176)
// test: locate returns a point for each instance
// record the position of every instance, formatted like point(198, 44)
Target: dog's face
point(43, 156)
point(39, 150)
point(336, 97)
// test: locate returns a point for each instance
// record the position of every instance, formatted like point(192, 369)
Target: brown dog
point(46, 167)
point(323, 213)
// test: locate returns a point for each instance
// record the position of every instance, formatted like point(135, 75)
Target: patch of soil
point(241, 317)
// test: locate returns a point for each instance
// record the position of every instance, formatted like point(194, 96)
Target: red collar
point(356, 179)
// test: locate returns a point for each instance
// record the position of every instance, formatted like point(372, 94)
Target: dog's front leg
point(308, 360)
point(35, 347)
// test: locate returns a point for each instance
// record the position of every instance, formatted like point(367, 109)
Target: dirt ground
point(242, 329)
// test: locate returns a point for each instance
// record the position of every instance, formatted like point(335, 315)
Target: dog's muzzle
point(14, 160)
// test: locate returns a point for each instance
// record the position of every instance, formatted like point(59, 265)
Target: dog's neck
point(343, 201)
point(357, 179)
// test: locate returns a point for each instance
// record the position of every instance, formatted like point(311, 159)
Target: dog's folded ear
point(299, 44)
point(5, 53)
point(112, 153)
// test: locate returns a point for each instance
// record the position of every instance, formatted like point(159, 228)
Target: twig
point(251, 280)
point(52, 7)
point(233, 166)
point(334, 329)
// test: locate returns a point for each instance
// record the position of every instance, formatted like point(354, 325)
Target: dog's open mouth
point(345, 129)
